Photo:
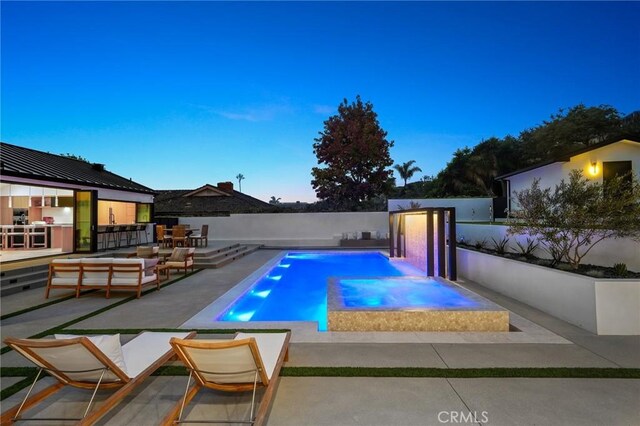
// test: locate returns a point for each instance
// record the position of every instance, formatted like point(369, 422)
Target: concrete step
point(14, 288)
point(207, 253)
point(227, 258)
point(27, 276)
point(13, 273)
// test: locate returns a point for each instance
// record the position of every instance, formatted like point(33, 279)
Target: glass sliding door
point(86, 212)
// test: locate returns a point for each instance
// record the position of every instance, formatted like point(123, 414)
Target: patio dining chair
point(179, 235)
point(244, 364)
point(91, 363)
point(196, 239)
point(163, 238)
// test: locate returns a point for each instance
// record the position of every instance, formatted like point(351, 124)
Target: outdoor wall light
point(594, 168)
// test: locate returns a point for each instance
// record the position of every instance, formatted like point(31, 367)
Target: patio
point(515, 398)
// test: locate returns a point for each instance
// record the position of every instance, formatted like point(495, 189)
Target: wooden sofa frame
point(107, 268)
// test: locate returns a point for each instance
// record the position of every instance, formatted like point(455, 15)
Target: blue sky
point(176, 95)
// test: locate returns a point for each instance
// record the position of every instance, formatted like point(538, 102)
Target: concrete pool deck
point(370, 401)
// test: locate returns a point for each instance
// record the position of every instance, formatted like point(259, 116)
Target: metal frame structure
point(446, 238)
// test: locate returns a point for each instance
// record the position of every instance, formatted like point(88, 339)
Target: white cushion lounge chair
point(96, 362)
point(239, 365)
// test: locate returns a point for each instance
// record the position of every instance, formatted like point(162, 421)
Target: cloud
point(324, 109)
point(259, 113)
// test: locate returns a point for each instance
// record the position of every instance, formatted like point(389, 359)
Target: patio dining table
point(188, 231)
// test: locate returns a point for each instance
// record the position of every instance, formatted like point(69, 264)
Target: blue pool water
point(402, 293)
point(295, 289)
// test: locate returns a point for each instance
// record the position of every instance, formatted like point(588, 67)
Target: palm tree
point(274, 200)
point(406, 171)
point(240, 177)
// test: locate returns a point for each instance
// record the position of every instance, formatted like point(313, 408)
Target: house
point(598, 162)
point(71, 197)
point(208, 200)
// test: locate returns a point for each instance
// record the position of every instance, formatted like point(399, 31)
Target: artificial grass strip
point(84, 331)
point(61, 327)
point(462, 373)
point(17, 387)
point(35, 308)
point(398, 372)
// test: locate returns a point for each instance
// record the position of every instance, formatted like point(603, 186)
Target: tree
point(354, 154)
point(405, 170)
point(578, 127)
point(274, 200)
point(240, 178)
point(578, 214)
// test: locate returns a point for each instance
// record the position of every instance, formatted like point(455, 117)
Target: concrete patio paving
point(358, 400)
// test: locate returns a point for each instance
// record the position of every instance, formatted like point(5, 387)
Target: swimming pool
point(295, 289)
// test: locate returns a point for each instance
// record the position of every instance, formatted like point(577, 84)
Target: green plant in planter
point(501, 246)
point(528, 249)
point(575, 216)
point(481, 244)
point(620, 269)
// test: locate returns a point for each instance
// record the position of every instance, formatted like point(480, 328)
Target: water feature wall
point(425, 238)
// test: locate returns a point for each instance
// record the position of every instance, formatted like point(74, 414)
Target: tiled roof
point(174, 203)
point(29, 163)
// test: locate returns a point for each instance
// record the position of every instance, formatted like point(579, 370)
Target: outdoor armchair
point(180, 258)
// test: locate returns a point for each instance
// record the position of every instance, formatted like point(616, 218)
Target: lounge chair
point(239, 365)
point(97, 362)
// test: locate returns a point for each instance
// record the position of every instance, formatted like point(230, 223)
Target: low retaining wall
point(602, 306)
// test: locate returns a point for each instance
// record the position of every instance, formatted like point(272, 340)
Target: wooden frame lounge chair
point(243, 364)
point(78, 362)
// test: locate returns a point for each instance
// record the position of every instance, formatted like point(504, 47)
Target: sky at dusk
point(176, 95)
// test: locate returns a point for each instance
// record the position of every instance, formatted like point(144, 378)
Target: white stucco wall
point(467, 209)
point(552, 174)
point(607, 307)
point(292, 229)
point(605, 253)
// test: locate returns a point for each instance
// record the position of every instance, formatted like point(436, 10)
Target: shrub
point(528, 249)
point(578, 214)
point(481, 244)
point(620, 269)
point(500, 246)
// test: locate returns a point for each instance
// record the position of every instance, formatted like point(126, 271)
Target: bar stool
point(35, 232)
point(16, 231)
point(142, 230)
point(120, 231)
point(3, 237)
point(109, 234)
point(132, 234)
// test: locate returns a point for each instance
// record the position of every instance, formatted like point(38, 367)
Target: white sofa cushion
point(133, 275)
point(62, 274)
point(109, 344)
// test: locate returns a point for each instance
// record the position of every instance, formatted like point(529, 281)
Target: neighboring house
point(208, 200)
point(72, 197)
point(598, 162)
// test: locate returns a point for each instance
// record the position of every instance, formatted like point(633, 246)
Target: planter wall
point(602, 306)
point(606, 253)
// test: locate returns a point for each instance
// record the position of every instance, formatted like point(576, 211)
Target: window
point(143, 213)
point(612, 169)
